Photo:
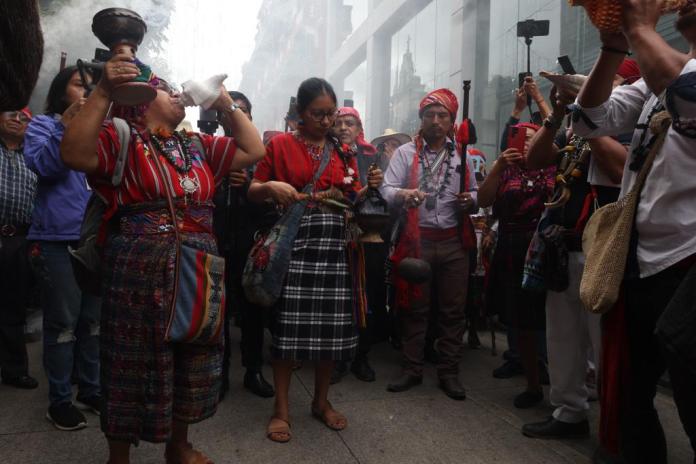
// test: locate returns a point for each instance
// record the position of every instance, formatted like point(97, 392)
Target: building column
point(376, 117)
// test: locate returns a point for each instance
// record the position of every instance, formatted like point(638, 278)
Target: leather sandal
point(281, 427)
point(330, 418)
point(193, 456)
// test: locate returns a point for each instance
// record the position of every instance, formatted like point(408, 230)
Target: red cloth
point(629, 70)
point(409, 245)
point(614, 377)
point(528, 125)
point(443, 97)
point(141, 183)
point(27, 112)
point(287, 160)
point(367, 148)
point(438, 235)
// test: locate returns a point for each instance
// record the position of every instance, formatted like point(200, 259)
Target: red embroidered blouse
point(141, 180)
point(288, 160)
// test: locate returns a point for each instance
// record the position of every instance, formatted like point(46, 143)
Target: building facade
point(384, 55)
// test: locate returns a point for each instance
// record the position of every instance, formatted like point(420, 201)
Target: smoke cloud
point(67, 26)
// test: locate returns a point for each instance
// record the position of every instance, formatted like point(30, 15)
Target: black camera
point(533, 28)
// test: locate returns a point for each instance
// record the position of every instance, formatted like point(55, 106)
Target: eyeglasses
point(318, 116)
point(165, 86)
point(18, 115)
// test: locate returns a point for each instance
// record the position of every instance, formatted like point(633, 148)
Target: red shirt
point(141, 180)
point(287, 160)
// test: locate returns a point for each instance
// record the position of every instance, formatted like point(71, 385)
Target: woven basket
point(606, 14)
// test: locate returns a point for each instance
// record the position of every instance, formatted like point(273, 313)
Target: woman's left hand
point(466, 201)
point(375, 177)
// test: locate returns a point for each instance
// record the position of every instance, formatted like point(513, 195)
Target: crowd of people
point(506, 240)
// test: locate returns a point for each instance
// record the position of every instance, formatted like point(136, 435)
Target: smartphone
point(516, 138)
point(521, 78)
point(566, 65)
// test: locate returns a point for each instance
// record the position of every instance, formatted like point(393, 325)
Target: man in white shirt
point(664, 245)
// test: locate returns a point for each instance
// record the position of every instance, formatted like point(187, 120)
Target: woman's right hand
point(509, 157)
point(118, 70)
point(283, 194)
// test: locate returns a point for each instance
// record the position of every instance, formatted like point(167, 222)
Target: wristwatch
point(234, 107)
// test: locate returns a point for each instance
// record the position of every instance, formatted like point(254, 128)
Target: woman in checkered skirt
point(313, 319)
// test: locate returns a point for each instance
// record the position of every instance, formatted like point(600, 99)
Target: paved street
point(419, 426)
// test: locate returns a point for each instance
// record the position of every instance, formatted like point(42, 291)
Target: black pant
point(15, 281)
point(642, 436)
point(376, 290)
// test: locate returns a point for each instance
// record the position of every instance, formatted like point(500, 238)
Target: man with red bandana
point(645, 337)
point(424, 178)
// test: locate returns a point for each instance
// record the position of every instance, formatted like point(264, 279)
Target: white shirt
point(666, 217)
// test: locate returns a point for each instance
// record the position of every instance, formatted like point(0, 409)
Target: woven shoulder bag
point(607, 235)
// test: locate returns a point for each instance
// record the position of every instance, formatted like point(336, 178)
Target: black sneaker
point(92, 404)
point(555, 429)
point(508, 370)
point(527, 399)
point(66, 417)
point(362, 370)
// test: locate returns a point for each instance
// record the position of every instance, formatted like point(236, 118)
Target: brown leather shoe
point(453, 388)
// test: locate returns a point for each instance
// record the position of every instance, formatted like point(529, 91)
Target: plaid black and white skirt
point(313, 319)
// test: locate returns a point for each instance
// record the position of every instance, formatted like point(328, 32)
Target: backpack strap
point(124, 136)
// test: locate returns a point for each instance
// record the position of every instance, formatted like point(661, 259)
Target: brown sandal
point(281, 427)
point(330, 417)
point(197, 456)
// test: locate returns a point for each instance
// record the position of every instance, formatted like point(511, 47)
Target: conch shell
point(567, 84)
point(606, 14)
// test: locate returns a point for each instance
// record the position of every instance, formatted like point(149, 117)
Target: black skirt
point(516, 307)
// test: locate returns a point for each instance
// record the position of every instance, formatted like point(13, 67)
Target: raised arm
point(250, 146)
point(79, 146)
point(610, 156)
point(659, 63)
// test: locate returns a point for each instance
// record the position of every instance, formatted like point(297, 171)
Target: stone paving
point(418, 426)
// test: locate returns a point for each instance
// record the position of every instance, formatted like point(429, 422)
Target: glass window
point(419, 62)
point(355, 86)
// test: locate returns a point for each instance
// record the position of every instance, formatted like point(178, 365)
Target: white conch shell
point(202, 93)
point(565, 83)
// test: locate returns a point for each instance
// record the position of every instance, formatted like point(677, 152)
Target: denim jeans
point(71, 325)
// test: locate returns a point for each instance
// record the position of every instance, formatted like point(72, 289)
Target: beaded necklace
point(315, 150)
point(176, 150)
point(432, 185)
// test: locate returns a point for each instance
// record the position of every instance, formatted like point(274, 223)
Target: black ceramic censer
point(372, 215)
point(122, 31)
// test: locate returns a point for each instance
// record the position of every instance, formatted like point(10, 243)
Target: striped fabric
point(17, 188)
point(199, 312)
point(141, 182)
point(314, 316)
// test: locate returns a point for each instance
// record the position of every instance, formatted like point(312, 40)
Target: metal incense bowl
point(372, 216)
point(116, 26)
point(414, 270)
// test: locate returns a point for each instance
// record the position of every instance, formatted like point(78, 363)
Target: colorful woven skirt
point(146, 382)
point(313, 319)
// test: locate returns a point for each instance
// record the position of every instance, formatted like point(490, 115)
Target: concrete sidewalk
point(418, 426)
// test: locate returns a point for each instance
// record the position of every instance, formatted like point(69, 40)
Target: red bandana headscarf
point(367, 148)
point(443, 97)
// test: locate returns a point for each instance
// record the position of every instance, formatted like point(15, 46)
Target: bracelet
point(552, 122)
point(615, 50)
